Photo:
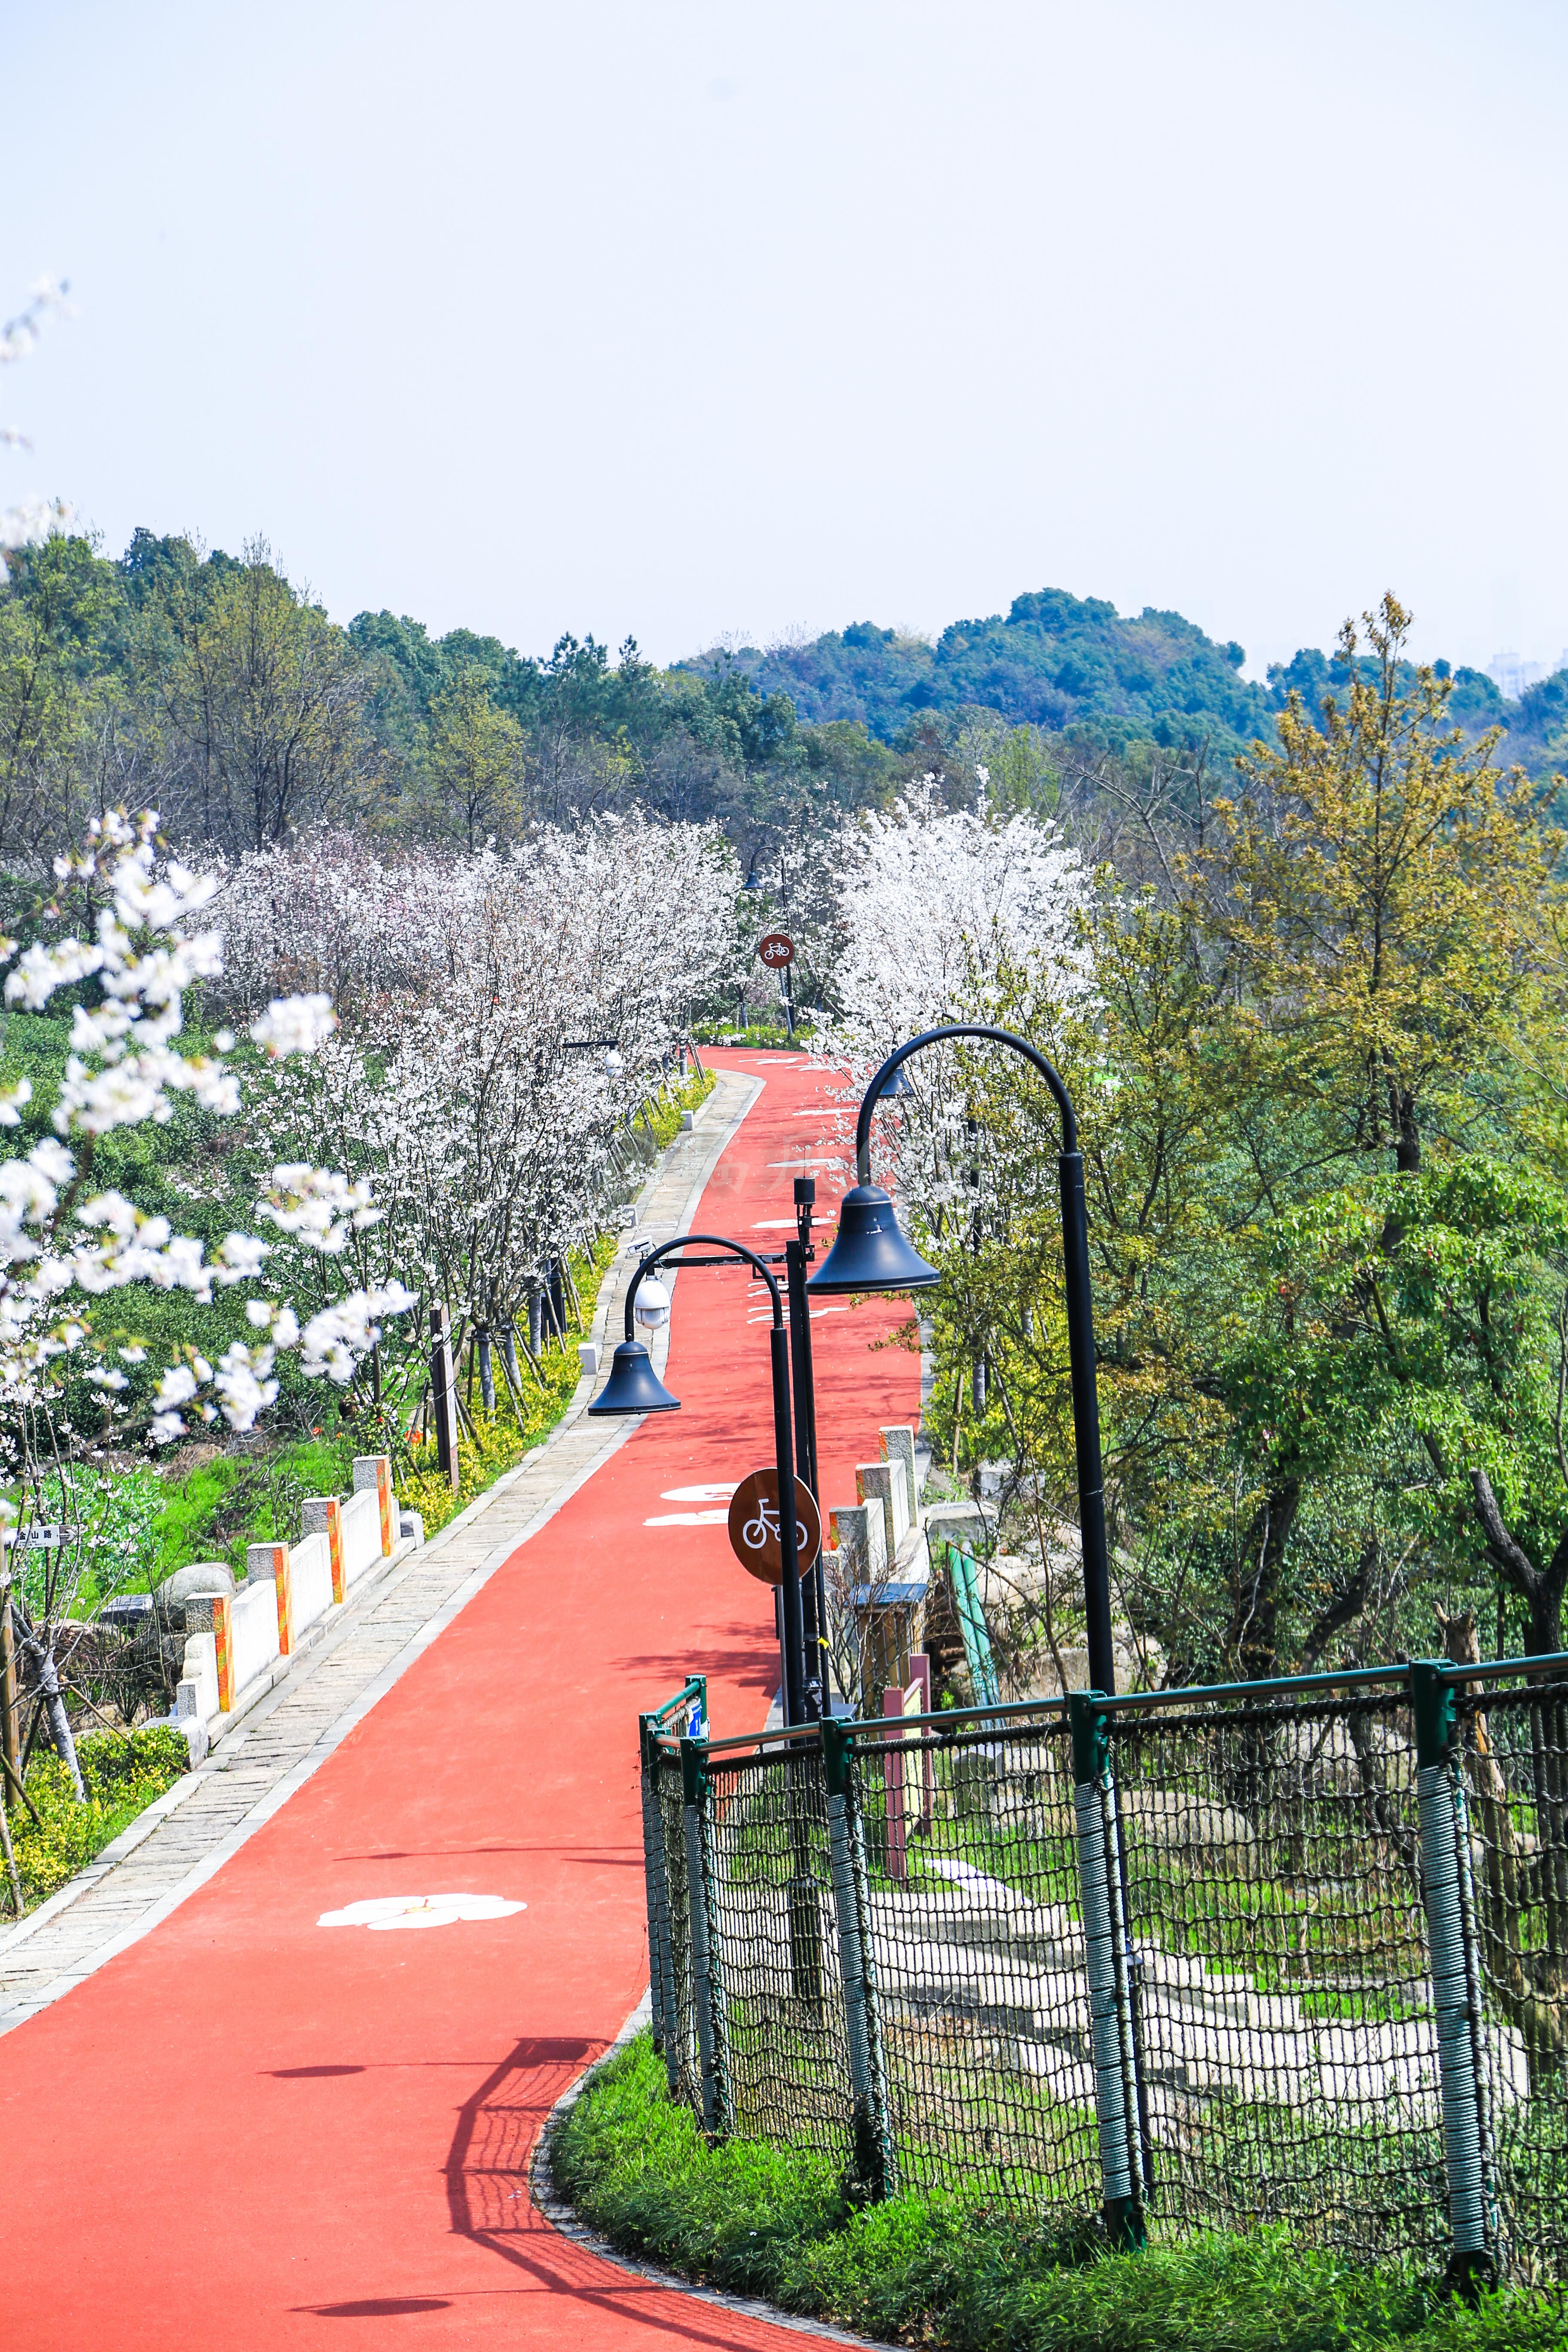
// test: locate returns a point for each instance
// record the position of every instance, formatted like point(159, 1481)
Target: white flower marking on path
point(378, 1911)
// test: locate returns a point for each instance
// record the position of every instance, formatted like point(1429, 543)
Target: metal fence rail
point(1292, 1951)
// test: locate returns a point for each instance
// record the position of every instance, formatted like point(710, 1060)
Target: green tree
point(474, 762)
point(263, 698)
point(56, 696)
point(1321, 1090)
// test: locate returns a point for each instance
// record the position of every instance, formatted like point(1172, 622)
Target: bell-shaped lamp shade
point(898, 1083)
point(633, 1386)
point(869, 1251)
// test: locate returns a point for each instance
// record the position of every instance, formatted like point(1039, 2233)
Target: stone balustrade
point(239, 1639)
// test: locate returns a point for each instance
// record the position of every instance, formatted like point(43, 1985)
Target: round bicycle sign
point(776, 951)
point(755, 1527)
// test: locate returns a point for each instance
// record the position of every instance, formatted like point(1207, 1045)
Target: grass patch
point(122, 1772)
point(671, 1103)
point(759, 1035)
point(963, 2274)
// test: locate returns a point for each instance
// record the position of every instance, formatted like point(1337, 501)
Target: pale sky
point(693, 321)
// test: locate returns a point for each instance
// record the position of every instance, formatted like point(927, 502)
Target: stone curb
point(563, 2217)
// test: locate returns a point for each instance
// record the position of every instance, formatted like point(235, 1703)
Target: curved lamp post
point(633, 1386)
point(871, 1254)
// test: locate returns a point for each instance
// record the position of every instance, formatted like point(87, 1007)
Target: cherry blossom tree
point(505, 1015)
point(944, 916)
point(66, 1247)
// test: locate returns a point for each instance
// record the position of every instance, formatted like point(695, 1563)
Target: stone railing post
point(322, 1515)
point(375, 1470)
point(264, 1562)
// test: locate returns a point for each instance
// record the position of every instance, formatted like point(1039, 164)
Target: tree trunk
point(10, 1860)
point(1253, 1644)
point(43, 1656)
point(1529, 1988)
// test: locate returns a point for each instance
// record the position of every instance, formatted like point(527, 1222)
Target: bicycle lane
point(260, 2131)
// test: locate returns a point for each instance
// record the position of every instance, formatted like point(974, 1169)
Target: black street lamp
point(798, 1256)
point(633, 1386)
point(871, 1254)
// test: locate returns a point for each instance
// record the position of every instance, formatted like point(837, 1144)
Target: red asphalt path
point(250, 2131)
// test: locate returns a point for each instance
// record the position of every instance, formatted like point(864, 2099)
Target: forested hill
point(1053, 661)
point(1074, 664)
point(212, 687)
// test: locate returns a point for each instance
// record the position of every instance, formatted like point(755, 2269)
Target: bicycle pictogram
point(765, 1528)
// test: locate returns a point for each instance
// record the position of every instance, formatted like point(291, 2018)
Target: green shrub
point(965, 2273)
point(122, 1773)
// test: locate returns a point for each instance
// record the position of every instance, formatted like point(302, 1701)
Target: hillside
point(1073, 663)
point(1053, 660)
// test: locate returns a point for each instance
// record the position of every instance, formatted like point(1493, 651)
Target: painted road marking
point(382, 1911)
point(688, 1520)
point(816, 1314)
point(717, 1490)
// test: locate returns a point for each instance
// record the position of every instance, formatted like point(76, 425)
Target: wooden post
point(920, 1672)
point(10, 1731)
point(444, 1397)
point(894, 1856)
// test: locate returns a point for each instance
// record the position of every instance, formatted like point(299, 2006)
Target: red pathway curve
point(248, 2131)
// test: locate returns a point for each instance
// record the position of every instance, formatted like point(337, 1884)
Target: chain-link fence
point(1282, 1952)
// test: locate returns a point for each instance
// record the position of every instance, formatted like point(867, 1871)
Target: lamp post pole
point(871, 1254)
point(635, 1387)
point(813, 1592)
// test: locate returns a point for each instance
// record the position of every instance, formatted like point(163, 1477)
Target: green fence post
point(963, 1577)
point(707, 1984)
point(661, 1985)
point(1444, 1859)
point(856, 1964)
point(1105, 1958)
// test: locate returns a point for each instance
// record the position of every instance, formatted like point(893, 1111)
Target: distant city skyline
point(1513, 674)
point(660, 324)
